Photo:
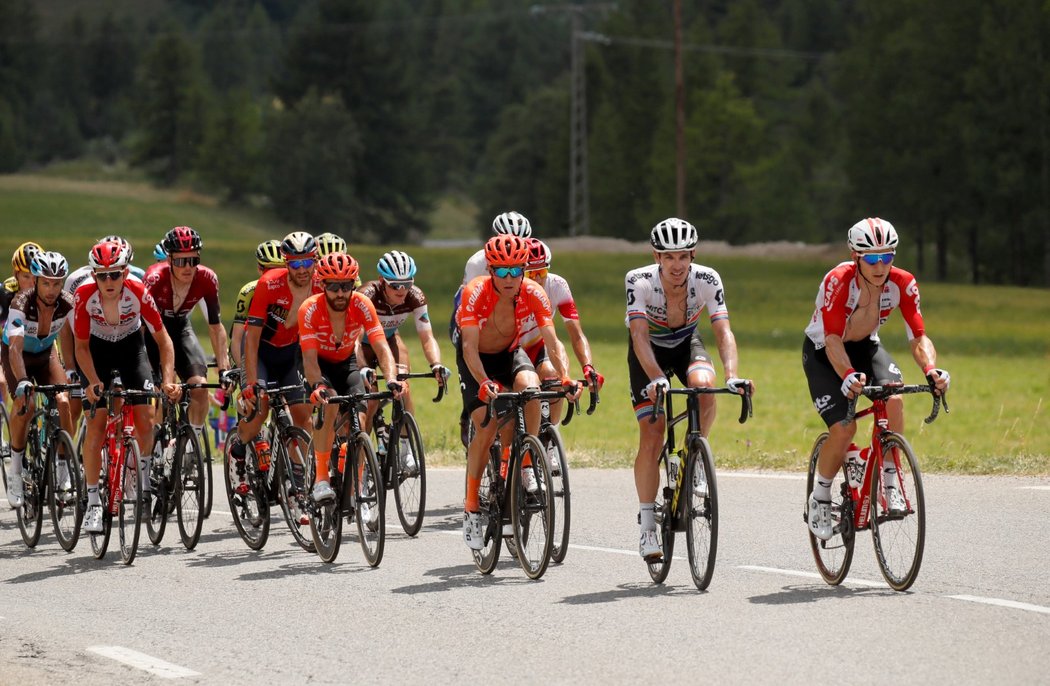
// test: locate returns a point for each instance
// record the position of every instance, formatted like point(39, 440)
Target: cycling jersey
point(393, 316)
point(7, 294)
point(244, 302)
point(204, 288)
point(557, 289)
point(79, 277)
point(315, 327)
point(135, 307)
point(271, 308)
point(24, 320)
point(646, 300)
point(479, 300)
point(476, 266)
point(840, 292)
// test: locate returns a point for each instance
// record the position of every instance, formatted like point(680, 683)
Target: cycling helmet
point(50, 265)
point(396, 266)
point(124, 244)
point(539, 254)
point(506, 251)
point(872, 235)
point(336, 266)
point(109, 255)
point(268, 254)
point(23, 256)
point(182, 239)
point(328, 243)
point(513, 224)
point(672, 235)
point(159, 253)
point(298, 244)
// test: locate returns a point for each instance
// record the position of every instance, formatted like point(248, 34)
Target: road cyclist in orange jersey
point(490, 317)
point(664, 302)
point(331, 324)
point(842, 351)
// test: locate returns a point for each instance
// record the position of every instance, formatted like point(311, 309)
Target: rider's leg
point(323, 442)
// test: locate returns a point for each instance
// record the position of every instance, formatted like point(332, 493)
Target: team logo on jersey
point(823, 403)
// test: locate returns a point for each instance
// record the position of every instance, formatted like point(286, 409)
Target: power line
point(771, 53)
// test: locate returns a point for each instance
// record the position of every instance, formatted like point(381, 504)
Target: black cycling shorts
point(189, 355)
point(395, 344)
point(502, 367)
point(825, 386)
point(678, 360)
point(127, 357)
point(40, 368)
point(282, 367)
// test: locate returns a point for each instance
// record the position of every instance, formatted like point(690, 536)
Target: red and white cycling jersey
point(204, 288)
point(840, 292)
point(560, 296)
point(479, 300)
point(135, 306)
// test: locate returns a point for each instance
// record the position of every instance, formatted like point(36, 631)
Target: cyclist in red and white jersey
point(842, 351)
point(177, 285)
point(107, 316)
point(664, 302)
point(489, 358)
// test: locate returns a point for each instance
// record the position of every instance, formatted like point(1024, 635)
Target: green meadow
point(993, 339)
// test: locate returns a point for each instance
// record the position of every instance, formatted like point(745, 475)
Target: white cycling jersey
point(560, 295)
point(646, 300)
point(476, 266)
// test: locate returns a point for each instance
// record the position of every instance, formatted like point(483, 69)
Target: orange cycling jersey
point(316, 331)
point(479, 300)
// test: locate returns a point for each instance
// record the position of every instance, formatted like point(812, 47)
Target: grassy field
point(994, 340)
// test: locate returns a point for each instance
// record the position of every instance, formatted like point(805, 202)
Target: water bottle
point(674, 470)
point(262, 450)
point(855, 460)
point(382, 434)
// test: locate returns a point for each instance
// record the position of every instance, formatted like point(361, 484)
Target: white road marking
point(222, 512)
point(1034, 488)
point(810, 575)
point(148, 663)
point(762, 475)
point(593, 548)
point(1002, 603)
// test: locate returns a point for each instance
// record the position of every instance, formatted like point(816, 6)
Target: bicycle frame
point(120, 427)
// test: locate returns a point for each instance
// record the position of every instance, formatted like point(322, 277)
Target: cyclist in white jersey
point(664, 302)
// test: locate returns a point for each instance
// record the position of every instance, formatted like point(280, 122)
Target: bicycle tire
point(30, 514)
point(490, 508)
point(207, 476)
point(291, 496)
point(100, 541)
point(369, 492)
point(64, 504)
point(129, 511)
point(833, 557)
point(410, 491)
point(160, 485)
point(561, 495)
point(250, 510)
point(5, 446)
point(659, 569)
point(188, 477)
point(326, 519)
point(701, 513)
point(899, 539)
point(532, 514)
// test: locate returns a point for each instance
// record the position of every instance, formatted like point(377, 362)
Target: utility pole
point(679, 108)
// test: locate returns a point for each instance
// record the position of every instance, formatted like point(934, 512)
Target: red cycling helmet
point(109, 255)
point(507, 251)
point(336, 266)
point(539, 254)
point(182, 239)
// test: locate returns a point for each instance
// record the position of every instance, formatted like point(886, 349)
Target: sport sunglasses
point(399, 285)
point(301, 264)
point(185, 261)
point(875, 258)
point(504, 272)
point(336, 286)
point(103, 276)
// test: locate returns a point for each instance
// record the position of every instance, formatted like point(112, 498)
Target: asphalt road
point(222, 614)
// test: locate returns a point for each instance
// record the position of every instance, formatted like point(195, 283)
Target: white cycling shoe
point(649, 547)
point(472, 534)
point(820, 524)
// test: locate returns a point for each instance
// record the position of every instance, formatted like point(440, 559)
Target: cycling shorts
point(282, 367)
point(343, 377)
point(189, 355)
point(687, 356)
point(502, 367)
point(397, 349)
point(825, 386)
point(41, 369)
point(128, 358)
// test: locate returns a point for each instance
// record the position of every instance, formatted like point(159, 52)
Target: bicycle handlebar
point(442, 386)
point(522, 397)
point(746, 407)
point(274, 391)
point(592, 388)
point(890, 390)
point(49, 390)
point(349, 399)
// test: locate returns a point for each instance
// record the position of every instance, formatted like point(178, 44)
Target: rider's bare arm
point(643, 349)
point(219, 343)
point(923, 351)
point(470, 337)
point(726, 342)
point(311, 368)
point(252, 336)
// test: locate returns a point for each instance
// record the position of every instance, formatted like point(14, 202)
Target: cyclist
point(159, 254)
point(177, 285)
point(22, 279)
point(271, 343)
point(267, 256)
point(489, 359)
point(396, 298)
point(664, 301)
point(328, 243)
point(842, 351)
point(330, 325)
point(107, 316)
point(37, 317)
point(505, 224)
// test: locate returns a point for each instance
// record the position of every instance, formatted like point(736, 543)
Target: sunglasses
point(339, 286)
point(185, 261)
point(399, 285)
point(537, 273)
point(301, 264)
point(103, 276)
point(874, 259)
point(504, 272)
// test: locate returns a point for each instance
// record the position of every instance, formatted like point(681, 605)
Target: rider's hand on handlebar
point(23, 387)
point(397, 387)
point(740, 386)
point(574, 390)
point(939, 378)
point(320, 394)
point(853, 384)
point(590, 373)
point(93, 393)
point(368, 375)
point(658, 382)
point(172, 390)
point(248, 398)
point(441, 372)
point(488, 389)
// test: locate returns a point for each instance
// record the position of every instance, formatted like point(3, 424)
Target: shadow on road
point(72, 566)
point(812, 593)
point(466, 576)
point(628, 592)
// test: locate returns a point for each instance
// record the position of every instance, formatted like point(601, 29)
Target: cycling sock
point(889, 476)
point(324, 460)
point(93, 496)
point(648, 521)
point(16, 461)
point(473, 486)
point(822, 487)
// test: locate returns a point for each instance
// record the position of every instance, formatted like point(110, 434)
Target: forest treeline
point(356, 116)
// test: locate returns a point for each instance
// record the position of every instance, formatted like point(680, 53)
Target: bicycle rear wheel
point(560, 492)
point(248, 503)
point(160, 485)
point(371, 525)
point(207, 477)
point(701, 512)
point(100, 541)
point(532, 514)
point(34, 492)
point(5, 446)
point(659, 569)
point(129, 509)
point(326, 520)
point(834, 556)
point(410, 489)
point(489, 506)
point(899, 535)
point(188, 477)
point(64, 503)
point(294, 450)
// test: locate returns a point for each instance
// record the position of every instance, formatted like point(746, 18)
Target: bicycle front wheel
point(898, 520)
point(491, 520)
point(701, 512)
point(5, 446)
point(64, 502)
point(129, 509)
point(100, 541)
point(292, 455)
point(560, 492)
point(532, 513)
point(248, 501)
point(34, 491)
point(326, 520)
point(368, 498)
point(410, 489)
point(159, 477)
point(188, 477)
point(834, 556)
point(207, 477)
point(659, 569)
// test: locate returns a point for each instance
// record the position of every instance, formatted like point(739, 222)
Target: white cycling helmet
point(513, 224)
point(673, 234)
point(872, 235)
point(50, 265)
point(123, 243)
point(297, 244)
point(396, 266)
